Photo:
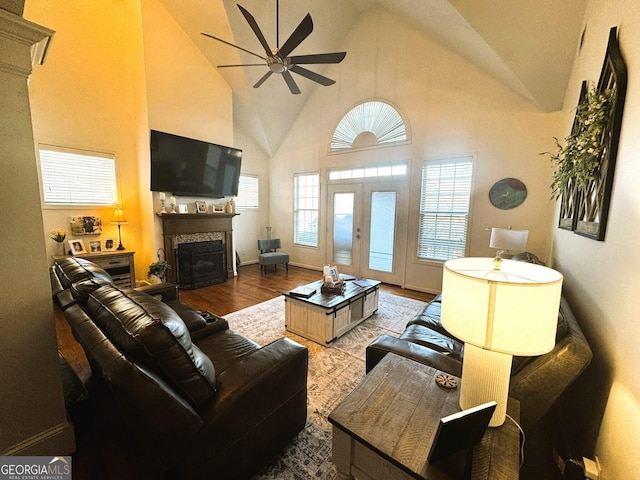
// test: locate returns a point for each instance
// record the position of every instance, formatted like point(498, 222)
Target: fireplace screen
point(201, 264)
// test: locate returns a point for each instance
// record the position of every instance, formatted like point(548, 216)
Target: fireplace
point(197, 227)
point(201, 264)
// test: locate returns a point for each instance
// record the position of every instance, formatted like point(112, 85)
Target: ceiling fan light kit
point(278, 59)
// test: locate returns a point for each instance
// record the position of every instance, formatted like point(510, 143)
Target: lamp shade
point(118, 217)
point(513, 309)
point(507, 239)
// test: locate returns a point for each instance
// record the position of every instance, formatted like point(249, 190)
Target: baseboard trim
point(57, 440)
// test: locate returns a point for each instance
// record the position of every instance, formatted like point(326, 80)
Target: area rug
point(334, 371)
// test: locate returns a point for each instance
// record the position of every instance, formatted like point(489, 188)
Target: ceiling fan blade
point(291, 83)
point(263, 79)
point(316, 77)
point(302, 31)
point(242, 65)
point(336, 57)
point(235, 46)
point(256, 29)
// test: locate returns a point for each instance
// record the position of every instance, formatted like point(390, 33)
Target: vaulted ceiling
point(527, 45)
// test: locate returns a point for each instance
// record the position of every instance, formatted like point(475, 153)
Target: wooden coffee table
point(385, 427)
point(323, 317)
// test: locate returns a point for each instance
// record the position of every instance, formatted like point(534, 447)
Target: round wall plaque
point(507, 193)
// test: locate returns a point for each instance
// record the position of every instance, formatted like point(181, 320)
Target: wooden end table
point(324, 316)
point(385, 427)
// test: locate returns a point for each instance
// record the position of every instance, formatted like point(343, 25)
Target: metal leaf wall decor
point(585, 210)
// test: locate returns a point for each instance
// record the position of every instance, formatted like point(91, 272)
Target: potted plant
point(158, 269)
point(58, 236)
point(579, 157)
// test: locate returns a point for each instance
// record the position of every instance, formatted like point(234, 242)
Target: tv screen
point(184, 166)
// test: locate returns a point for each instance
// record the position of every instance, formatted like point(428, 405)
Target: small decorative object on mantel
point(218, 208)
point(201, 207)
point(172, 202)
point(507, 193)
point(584, 167)
point(162, 197)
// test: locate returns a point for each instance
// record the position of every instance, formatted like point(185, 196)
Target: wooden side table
point(385, 427)
point(118, 264)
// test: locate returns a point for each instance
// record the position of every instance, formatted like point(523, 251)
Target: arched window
point(369, 124)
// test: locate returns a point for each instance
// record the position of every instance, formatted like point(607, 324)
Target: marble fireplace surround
point(196, 227)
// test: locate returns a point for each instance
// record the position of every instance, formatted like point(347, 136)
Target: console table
point(324, 316)
point(385, 427)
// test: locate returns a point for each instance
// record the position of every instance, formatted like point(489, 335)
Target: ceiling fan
point(278, 59)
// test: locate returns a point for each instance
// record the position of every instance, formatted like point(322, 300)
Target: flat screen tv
point(188, 167)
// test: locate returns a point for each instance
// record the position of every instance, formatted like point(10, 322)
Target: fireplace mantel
point(176, 224)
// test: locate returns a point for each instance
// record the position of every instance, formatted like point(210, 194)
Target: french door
point(367, 230)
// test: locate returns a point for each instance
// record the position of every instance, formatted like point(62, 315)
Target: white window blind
point(75, 177)
point(444, 209)
point(305, 211)
point(248, 192)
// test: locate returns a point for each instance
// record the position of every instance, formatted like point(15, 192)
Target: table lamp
point(507, 240)
point(118, 219)
point(499, 308)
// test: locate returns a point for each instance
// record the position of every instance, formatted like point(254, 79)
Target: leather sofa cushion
point(81, 290)
point(150, 332)
point(426, 337)
point(73, 269)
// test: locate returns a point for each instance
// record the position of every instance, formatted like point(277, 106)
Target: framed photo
point(109, 245)
point(86, 226)
point(95, 246)
point(335, 277)
point(76, 247)
point(218, 208)
point(201, 207)
point(182, 208)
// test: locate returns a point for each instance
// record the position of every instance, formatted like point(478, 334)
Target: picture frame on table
point(201, 206)
point(109, 245)
point(182, 208)
point(95, 246)
point(333, 272)
point(76, 247)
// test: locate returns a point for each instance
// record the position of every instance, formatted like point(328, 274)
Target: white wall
point(251, 224)
point(92, 96)
point(452, 108)
point(601, 278)
point(186, 96)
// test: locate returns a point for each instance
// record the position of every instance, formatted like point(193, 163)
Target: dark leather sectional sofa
point(535, 381)
point(205, 401)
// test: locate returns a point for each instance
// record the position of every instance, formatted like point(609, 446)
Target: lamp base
point(485, 377)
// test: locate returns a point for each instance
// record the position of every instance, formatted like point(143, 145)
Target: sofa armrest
point(251, 391)
point(169, 291)
point(539, 384)
point(386, 344)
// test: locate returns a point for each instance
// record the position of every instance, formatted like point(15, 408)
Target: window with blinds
point(248, 193)
point(76, 177)
point(444, 208)
point(306, 209)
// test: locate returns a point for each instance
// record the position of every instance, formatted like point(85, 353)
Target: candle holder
point(172, 205)
point(163, 210)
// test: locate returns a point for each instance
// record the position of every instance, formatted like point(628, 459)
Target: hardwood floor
point(106, 451)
